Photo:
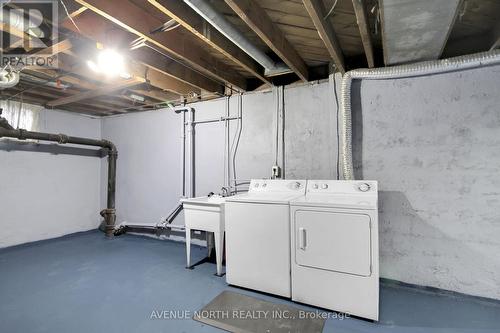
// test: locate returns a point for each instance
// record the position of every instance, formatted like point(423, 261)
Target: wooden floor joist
point(138, 21)
point(189, 19)
point(317, 12)
point(364, 30)
point(94, 93)
point(98, 29)
point(260, 22)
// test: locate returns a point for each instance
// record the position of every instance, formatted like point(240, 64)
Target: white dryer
point(334, 247)
point(258, 235)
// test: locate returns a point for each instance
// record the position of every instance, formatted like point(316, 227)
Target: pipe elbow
point(111, 147)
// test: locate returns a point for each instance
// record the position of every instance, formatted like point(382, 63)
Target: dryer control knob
point(264, 185)
point(364, 187)
point(315, 186)
point(256, 185)
point(296, 185)
point(324, 186)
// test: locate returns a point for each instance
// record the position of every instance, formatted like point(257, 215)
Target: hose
point(404, 71)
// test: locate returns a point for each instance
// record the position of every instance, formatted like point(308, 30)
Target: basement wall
point(149, 146)
point(43, 195)
point(433, 143)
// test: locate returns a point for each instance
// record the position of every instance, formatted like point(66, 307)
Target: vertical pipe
point(110, 211)
point(183, 155)
point(227, 167)
point(191, 153)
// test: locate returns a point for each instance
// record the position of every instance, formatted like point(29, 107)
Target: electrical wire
point(69, 16)
point(338, 136)
point(331, 10)
point(236, 139)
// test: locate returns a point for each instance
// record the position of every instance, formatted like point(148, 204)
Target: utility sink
point(206, 214)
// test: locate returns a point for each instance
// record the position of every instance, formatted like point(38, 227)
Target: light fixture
point(110, 63)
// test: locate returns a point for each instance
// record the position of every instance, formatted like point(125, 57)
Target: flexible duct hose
point(396, 72)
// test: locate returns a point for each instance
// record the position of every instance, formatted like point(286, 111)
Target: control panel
point(277, 185)
point(342, 186)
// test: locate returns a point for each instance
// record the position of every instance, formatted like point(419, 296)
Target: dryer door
point(333, 241)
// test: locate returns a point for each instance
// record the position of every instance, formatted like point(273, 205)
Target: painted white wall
point(433, 144)
point(43, 195)
point(149, 143)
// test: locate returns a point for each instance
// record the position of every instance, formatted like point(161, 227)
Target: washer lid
point(268, 198)
point(336, 201)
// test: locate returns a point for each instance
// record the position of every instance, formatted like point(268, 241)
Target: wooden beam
point(94, 93)
point(258, 20)
point(364, 30)
point(189, 19)
point(138, 71)
point(317, 12)
point(62, 46)
point(139, 22)
point(99, 29)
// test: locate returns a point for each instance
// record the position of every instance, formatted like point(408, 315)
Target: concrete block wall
point(433, 143)
point(44, 195)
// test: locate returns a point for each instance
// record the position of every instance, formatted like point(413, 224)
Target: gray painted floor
point(86, 283)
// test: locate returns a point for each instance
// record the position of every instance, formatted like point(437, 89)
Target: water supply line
point(218, 20)
point(109, 213)
point(396, 72)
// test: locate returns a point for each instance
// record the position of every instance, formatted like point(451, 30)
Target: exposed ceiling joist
point(99, 29)
point(138, 21)
point(260, 22)
point(416, 30)
point(364, 30)
point(317, 12)
point(94, 93)
point(56, 48)
point(189, 19)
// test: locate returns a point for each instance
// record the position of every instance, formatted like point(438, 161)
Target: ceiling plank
point(317, 12)
point(94, 93)
point(138, 21)
point(260, 22)
point(189, 19)
point(364, 30)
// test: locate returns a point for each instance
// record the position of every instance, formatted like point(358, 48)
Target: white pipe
point(216, 19)
point(183, 155)
point(191, 134)
point(396, 72)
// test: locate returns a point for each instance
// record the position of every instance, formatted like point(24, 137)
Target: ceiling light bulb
point(110, 62)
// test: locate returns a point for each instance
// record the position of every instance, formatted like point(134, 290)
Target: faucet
point(225, 191)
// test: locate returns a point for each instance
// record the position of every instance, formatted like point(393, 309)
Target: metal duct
point(109, 213)
point(396, 72)
point(205, 9)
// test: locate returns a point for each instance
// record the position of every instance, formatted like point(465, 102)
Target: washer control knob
point(256, 185)
point(315, 186)
point(264, 185)
point(296, 185)
point(324, 186)
point(364, 187)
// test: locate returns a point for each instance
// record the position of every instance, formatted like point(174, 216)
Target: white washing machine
point(258, 235)
point(334, 247)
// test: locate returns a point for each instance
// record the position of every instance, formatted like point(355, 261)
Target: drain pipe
point(109, 213)
point(396, 72)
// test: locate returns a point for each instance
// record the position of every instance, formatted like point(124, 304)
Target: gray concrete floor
point(86, 283)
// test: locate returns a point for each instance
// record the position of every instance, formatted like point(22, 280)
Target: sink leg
point(219, 249)
point(188, 248)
